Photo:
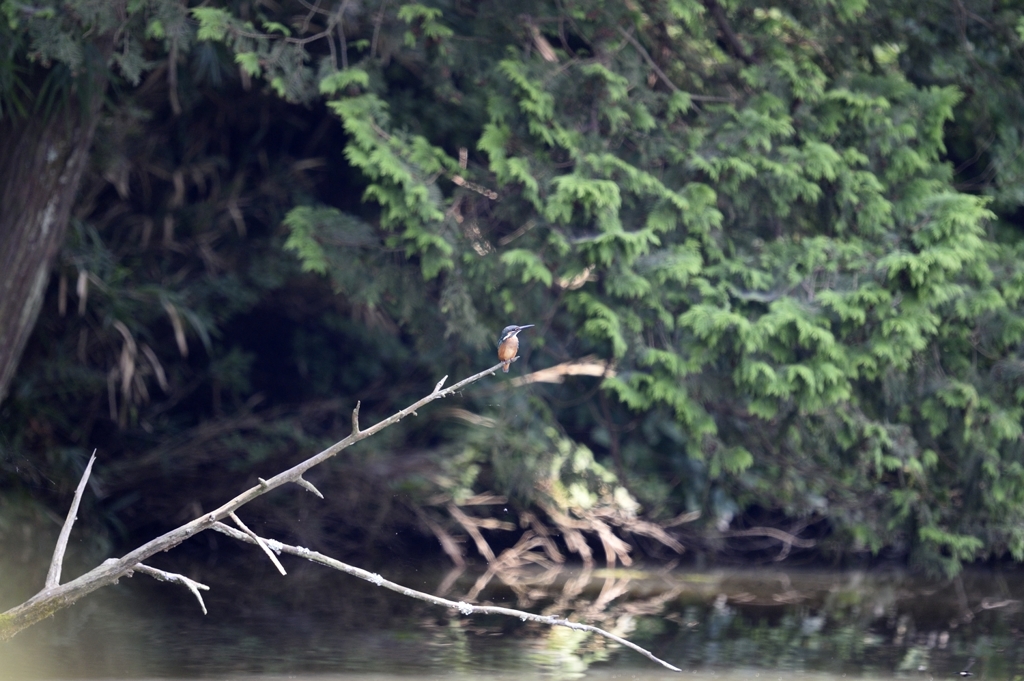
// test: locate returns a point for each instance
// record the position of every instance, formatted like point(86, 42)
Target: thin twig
point(172, 77)
point(312, 38)
point(774, 533)
point(661, 74)
point(587, 366)
point(344, 45)
point(57, 563)
point(481, 544)
point(448, 543)
point(313, 9)
point(341, 34)
point(376, 29)
point(463, 607)
point(262, 544)
point(175, 578)
point(334, 52)
point(650, 62)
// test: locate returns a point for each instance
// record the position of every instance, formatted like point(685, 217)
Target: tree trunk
point(41, 165)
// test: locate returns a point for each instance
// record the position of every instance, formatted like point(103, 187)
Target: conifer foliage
point(754, 215)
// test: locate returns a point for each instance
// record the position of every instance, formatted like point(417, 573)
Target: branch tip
point(439, 384)
point(174, 577)
point(355, 419)
point(463, 607)
point(308, 486)
point(57, 562)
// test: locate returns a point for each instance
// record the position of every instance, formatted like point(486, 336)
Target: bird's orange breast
point(508, 349)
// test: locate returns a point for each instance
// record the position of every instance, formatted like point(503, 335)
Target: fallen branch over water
point(463, 607)
point(56, 596)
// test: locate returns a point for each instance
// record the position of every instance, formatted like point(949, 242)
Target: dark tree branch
point(774, 533)
point(732, 41)
point(661, 74)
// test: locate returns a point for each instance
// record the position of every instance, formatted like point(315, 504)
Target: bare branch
point(376, 29)
point(262, 544)
point(656, 532)
point(341, 39)
point(57, 563)
point(440, 383)
point(481, 544)
point(774, 533)
point(587, 366)
point(448, 543)
point(51, 599)
point(463, 607)
point(313, 38)
point(355, 419)
point(55, 597)
point(334, 52)
point(539, 41)
point(314, 8)
point(682, 519)
point(175, 578)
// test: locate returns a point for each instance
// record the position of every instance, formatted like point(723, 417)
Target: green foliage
point(426, 18)
point(400, 167)
point(83, 34)
point(249, 63)
point(809, 308)
point(302, 221)
point(213, 22)
point(875, 258)
point(341, 80)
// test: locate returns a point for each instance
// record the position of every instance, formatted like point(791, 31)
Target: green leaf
point(250, 63)
point(213, 22)
point(341, 80)
point(301, 222)
point(532, 265)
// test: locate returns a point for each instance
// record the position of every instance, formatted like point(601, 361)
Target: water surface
point(728, 624)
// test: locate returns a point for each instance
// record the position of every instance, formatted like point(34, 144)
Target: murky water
point(757, 624)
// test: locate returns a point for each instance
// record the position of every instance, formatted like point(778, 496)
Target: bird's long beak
point(524, 327)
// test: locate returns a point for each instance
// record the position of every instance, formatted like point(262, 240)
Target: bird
point(967, 670)
point(508, 344)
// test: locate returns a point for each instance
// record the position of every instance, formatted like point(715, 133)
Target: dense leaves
point(772, 224)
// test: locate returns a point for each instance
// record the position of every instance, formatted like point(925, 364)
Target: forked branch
point(463, 607)
point(56, 596)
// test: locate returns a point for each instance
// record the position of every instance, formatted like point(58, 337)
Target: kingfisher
point(508, 345)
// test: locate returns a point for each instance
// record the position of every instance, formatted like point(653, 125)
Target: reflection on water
point(765, 624)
